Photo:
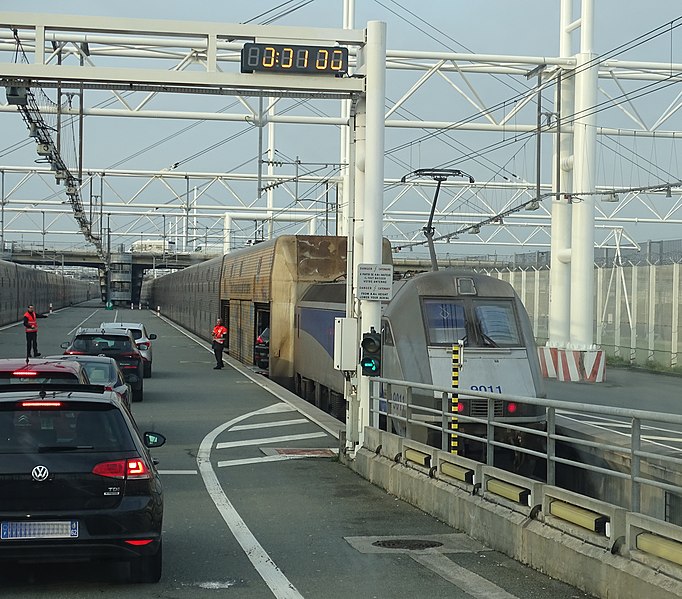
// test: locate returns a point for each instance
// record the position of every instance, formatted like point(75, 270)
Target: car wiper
point(488, 340)
point(46, 448)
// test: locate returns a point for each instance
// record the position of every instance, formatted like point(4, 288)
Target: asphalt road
point(248, 515)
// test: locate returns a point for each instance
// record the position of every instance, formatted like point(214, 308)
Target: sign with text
point(375, 282)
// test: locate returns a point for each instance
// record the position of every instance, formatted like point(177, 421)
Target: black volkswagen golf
point(77, 480)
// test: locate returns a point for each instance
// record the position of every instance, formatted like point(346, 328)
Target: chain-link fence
point(637, 306)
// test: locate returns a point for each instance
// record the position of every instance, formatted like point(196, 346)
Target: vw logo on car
point(40, 473)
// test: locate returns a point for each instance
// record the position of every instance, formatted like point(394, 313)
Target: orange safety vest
point(219, 332)
point(32, 322)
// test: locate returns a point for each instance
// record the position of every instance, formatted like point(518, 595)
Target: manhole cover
point(411, 544)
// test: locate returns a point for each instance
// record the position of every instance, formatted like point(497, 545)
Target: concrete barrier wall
point(591, 562)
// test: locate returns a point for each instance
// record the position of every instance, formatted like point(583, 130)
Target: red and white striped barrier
point(571, 365)
point(549, 359)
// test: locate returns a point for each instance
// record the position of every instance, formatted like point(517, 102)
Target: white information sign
point(375, 282)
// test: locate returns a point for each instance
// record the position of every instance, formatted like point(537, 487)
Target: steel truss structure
point(138, 69)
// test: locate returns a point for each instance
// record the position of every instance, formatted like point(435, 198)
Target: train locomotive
point(434, 311)
point(295, 286)
point(429, 313)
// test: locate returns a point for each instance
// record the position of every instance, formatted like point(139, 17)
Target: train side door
point(225, 315)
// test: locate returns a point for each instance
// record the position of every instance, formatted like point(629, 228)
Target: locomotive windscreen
point(445, 321)
point(479, 322)
point(497, 323)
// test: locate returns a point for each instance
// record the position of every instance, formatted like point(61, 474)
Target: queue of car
point(77, 480)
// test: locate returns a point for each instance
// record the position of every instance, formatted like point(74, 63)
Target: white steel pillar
point(634, 292)
point(617, 310)
point(584, 161)
point(374, 189)
point(560, 255)
point(270, 193)
point(346, 195)
point(227, 233)
point(675, 315)
point(651, 319)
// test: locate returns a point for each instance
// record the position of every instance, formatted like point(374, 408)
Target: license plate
point(39, 530)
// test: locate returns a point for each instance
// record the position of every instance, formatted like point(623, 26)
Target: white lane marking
point(269, 440)
point(272, 576)
point(605, 427)
point(622, 425)
point(74, 329)
point(470, 583)
point(247, 427)
point(268, 458)
point(255, 378)
point(178, 472)
point(599, 421)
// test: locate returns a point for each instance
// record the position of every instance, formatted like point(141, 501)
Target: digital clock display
point(279, 58)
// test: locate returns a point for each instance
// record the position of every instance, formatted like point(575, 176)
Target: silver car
point(102, 370)
point(143, 340)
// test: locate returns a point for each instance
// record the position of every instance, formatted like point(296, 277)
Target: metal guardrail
point(635, 451)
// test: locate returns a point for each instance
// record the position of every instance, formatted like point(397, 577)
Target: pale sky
point(528, 28)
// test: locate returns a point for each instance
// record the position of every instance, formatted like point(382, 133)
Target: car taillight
point(460, 406)
point(139, 542)
point(512, 407)
point(73, 352)
point(24, 373)
point(108, 388)
point(259, 339)
point(133, 468)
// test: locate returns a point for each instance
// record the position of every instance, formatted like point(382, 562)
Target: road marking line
point(74, 329)
point(247, 427)
point(470, 583)
point(266, 441)
point(269, 458)
point(272, 576)
point(255, 378)
point(178, 472)
point(605, 427)
point(614, 424)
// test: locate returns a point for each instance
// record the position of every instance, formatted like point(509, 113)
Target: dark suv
point(77, 480)
point(113, 343)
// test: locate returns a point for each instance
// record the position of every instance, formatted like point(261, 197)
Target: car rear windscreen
point(102, 343)
point(27, 427)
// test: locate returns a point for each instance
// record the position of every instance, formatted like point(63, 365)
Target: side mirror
point(64, 344)
point(152, 335)
point(152, 440)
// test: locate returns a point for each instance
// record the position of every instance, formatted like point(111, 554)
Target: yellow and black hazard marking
point(454, 420)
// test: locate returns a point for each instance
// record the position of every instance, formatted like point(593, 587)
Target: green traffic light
point(370, 365)
point(370, 360)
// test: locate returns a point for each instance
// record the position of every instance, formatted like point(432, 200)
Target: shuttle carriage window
point(445, 321)
point(497, 324)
